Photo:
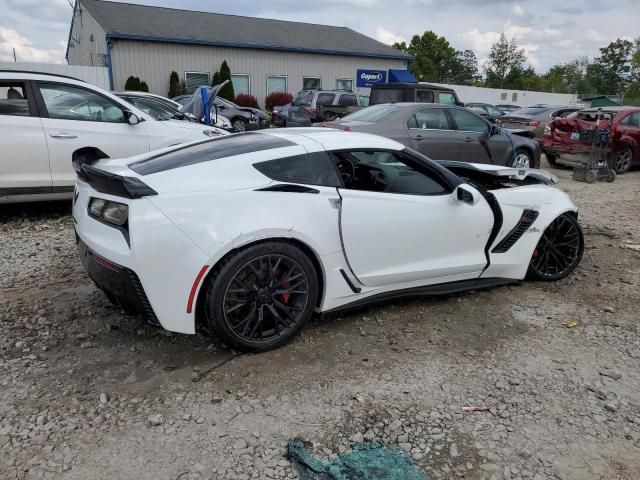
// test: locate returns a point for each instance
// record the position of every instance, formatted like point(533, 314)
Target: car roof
point(334, 139)
point(31, 75)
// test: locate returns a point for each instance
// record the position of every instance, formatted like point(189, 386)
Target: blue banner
point(366, 78)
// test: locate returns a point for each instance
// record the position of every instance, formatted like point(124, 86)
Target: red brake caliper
point(285, 296)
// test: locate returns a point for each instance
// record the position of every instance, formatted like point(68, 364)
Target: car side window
point(348, 101)
point(325, 99)
point(633, 119)
point(429, 119)
point(446, 98)
point(72, 103)
point(13, 99)
point(312, 169)
point(494, 112)
point(383, 171)
point(468, 122)
point(424, 96)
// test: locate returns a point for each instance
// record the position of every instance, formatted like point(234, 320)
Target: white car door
point(75, 117)
point(24, 159)
point(402, 225)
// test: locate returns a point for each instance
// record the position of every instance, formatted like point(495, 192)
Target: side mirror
point(465, 196)
point(132, 118)
point(494, 130)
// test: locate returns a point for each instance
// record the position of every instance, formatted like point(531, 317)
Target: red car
point(568, 140)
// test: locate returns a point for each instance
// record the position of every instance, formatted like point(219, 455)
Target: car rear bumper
point(121, 284)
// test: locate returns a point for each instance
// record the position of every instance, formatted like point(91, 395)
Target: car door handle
point(417, 137)
point(468, 139)
point(63, 135)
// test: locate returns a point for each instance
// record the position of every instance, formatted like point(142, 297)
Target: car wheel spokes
point(265, 298)
point(558, 249)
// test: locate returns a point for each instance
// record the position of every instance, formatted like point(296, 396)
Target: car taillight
point(312, 111)
point(110, 212)
point(533, 123)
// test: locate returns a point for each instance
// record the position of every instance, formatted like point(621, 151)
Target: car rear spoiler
point(507, 172)
point(112, 184)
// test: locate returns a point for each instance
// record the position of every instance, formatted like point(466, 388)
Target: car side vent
point(526, 220)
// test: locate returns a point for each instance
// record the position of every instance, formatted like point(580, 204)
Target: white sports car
point(246, 236)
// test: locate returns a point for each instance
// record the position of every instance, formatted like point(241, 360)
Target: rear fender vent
point(526, 220)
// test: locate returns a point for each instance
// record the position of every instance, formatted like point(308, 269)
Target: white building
point(264, 55)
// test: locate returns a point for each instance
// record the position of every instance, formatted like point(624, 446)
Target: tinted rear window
point(325, 99)
point(372, 114)
point(312, 169)
point(386, 95)
point(303, 99)
point(227, 146)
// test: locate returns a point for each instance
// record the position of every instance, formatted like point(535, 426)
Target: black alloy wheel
point(262, 296)
point(559, 250)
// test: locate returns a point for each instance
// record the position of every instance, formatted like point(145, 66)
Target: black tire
point(250, 307)
point(551, 159)
point(519, 159)
point(611, 176)
point(559, 250)
point(239, 125)
point(622, 161)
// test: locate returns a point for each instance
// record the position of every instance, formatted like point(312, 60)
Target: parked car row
point(47, 121)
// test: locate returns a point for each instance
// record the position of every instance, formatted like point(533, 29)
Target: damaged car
point(568, 141)
point(247, 236)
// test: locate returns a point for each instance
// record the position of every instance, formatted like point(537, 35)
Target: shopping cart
point(597, 168)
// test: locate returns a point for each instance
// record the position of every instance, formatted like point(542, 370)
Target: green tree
point(215, 80)
point(505, 64)
point(610, 72)
point(465, 71)
point(435, 60)
point(174, 85)
point(132, 84)
point(225, 74)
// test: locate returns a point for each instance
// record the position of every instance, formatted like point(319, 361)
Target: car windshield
point(371, 114)
point(531, 111)
point(226, 103)
point(303, 99)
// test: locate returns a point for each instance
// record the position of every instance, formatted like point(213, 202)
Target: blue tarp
point(401, 76)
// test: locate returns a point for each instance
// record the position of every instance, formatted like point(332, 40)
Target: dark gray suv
point(310, 106)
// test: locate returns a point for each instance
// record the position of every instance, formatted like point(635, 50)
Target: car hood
point(257, 112)
point(505, 172)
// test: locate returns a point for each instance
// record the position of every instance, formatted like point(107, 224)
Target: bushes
point(136, 85)
point(175, 87)
point(246, 100)
point(277, 99)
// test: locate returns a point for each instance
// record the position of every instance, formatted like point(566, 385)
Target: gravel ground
point(87, 392)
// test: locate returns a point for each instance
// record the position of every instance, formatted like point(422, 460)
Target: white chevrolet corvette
point(246, 236)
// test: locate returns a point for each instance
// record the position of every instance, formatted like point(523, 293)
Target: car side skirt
point(424, 291)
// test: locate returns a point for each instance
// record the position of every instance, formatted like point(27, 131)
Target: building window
point(194, 80)
point(311, 83)
point(345, 84)
point(276, 83)
point(241, 83)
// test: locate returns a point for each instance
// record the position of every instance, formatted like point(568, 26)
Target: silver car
point(444, 132)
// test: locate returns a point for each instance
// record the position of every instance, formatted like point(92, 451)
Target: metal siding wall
point(154, 61)
point(524, 98)
point(98, 76)
point(84, 26)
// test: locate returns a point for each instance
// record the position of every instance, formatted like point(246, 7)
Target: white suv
point(48, 121)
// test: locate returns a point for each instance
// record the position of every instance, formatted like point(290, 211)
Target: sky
point(550, 31)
